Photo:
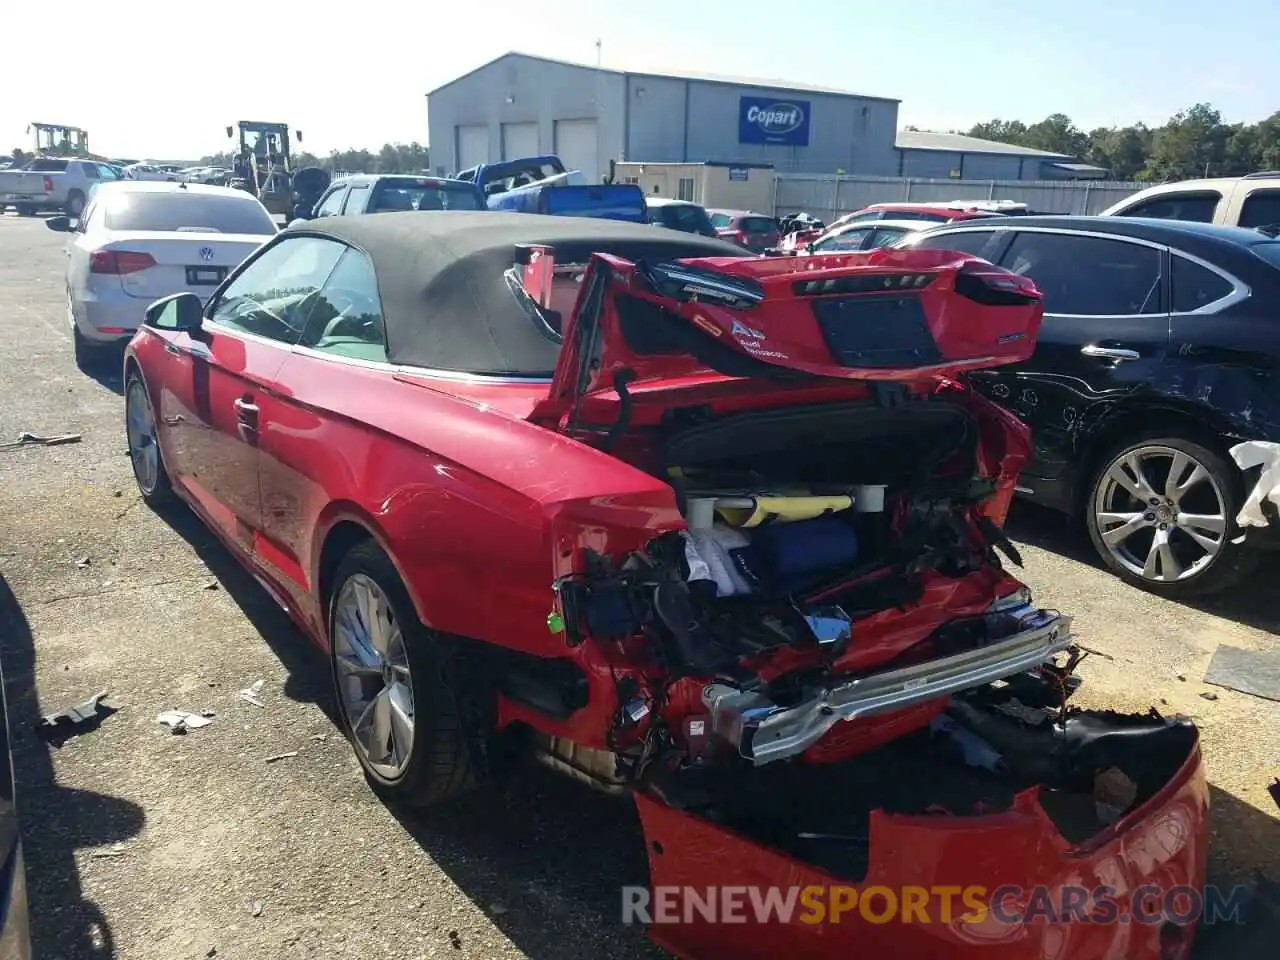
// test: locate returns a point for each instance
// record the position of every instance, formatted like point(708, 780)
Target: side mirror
point(230, 132)
point(181, 312)
point(59, 224)
point(298, 135)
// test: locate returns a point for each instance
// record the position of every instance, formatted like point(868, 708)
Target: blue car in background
point(543, 185)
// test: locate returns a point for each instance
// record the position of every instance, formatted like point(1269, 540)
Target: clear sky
point(162, 80)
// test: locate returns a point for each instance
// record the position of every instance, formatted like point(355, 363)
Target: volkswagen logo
point(206, 254)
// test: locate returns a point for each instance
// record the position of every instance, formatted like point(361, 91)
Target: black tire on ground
point(160, 492)
point(75, 204)
point(87, 355)
point(1234, 561)
point(25, 209)
point(442, 762)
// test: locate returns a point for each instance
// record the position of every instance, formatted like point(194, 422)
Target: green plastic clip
point(555, 622)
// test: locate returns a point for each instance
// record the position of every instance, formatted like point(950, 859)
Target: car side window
point(274, 294)
point(331, 205)
point(90, 171)
point(1197, 207)
point(720, 221)
point(966, 241)
point(1196, 286)
point(885, 237)
point(346, 317)
point(357, 197)
point(849, 240)
point(1088, 276)
point(1261, 209)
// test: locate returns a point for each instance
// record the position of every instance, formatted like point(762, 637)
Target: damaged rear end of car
point(789, 630)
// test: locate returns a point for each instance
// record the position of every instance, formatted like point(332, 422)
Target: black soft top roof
point(445, 302)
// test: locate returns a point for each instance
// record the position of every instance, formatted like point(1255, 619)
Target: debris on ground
point(1208, 695)
point(1255, 672)
point(117, 850)
point(26, 439)
point(83, 562)
point(455, 939)
point(253, 693)
point(282, 756)
point(257, 908)
point(212, 585)
point(58, 728)
point(319, 737)
point(180, 721)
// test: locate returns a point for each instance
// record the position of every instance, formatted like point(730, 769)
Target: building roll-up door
point(473, 145)
point(577, 147)
point(519, 140)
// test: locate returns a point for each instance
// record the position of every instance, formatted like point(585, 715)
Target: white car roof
point(668, 202)
point(170, 186)
point(911, 225)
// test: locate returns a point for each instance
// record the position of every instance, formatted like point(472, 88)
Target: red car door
point(307, 445)
point(215, 381)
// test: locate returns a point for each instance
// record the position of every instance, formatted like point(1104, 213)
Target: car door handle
point(1109, 353)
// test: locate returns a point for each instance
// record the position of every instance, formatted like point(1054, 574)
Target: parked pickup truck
point(52, 183)
point(373, 193)
point(543, 185)
point(1250, 201)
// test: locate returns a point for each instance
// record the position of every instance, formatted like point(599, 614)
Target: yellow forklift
point(56, 139)
point(263, 164)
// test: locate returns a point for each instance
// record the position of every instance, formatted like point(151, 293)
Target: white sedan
point(866, 235)
point(138, 241)
point(147, 171)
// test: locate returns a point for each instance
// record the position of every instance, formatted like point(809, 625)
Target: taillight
point(48, 184)
point(995, 287)
point(119, 261)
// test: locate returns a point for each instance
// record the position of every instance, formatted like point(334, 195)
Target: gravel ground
point(142, 844)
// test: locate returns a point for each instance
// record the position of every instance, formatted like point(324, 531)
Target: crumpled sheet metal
point(1255, 453)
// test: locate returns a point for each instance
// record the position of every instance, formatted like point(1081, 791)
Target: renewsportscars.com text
point(1010, 905)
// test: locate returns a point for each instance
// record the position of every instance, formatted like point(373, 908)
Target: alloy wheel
point(1161, 514)
point(374, 681)
point(141, 429)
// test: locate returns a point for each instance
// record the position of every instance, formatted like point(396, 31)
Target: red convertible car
point(719, 533)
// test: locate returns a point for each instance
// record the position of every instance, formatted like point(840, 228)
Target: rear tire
point(25, 210)
point(1198, 557)
point(87, 354)
point(144, 445)
point(387, 667)
point(75, 204)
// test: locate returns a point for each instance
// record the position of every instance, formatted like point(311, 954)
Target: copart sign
point(765, 120)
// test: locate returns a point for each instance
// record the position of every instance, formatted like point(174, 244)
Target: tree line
point(390, 158)
point(1194, 143)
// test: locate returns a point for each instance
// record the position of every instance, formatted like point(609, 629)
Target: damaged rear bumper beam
point(764, 732)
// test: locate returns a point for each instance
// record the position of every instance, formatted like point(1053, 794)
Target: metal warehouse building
point(520, 105)
point(955, 156)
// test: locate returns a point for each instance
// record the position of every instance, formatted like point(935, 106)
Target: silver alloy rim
point(141, 428)
point(1161, 514)
point(374, 681)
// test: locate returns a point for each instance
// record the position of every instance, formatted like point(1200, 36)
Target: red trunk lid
point(886, 315)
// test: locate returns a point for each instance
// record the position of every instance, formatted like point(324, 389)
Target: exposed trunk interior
point(1090, 768)
point(831, 509)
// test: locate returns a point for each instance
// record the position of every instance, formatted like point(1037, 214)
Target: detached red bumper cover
point(1003, 885)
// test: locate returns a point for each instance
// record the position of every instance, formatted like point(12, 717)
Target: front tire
point(144, 446)
point(1161, 514)
point(399, 699)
